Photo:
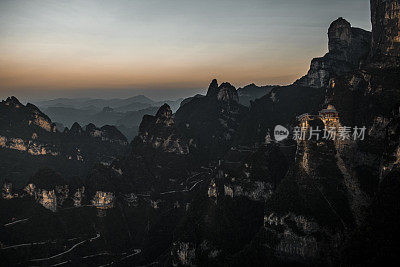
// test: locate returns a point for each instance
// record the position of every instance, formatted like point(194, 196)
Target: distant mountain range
point(92, 103)
point(125, 114)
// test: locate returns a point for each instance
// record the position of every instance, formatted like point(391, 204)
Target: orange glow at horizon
point(158, 44)
point(57, 73)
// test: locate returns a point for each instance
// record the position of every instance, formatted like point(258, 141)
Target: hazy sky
point(163, 48)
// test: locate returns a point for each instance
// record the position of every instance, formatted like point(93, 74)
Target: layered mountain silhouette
point(29, 140)
point(208, 185)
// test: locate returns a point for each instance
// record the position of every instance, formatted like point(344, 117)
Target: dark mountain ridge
point(30, 140)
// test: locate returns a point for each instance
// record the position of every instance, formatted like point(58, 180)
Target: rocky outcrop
point(213, 89)
point(48, 188)
point(103, 200)
point(310, 201)
point(13, 114)
point(183, 253)
point(256, 176)
point(25, 130)
point(298, 240)
point(348, 47)
point(7, 190)
point(106, 133)
point(77, 191)
point(385, 19)
point(279, 107)
point(160, 132)
point(227, 93)
point(347, 43)
point(212, 121)
point(113, 135)
point(76, 129)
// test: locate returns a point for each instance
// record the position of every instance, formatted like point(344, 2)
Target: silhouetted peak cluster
point(225, 92)
point(160, 132)
point(11, 101)
point(162, 118)
point(106, 132)
point(164, 112)
point(76, 129)
point(14, 115)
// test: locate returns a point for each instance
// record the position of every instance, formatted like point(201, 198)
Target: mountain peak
point(213, 88)
point(12, 101)
point(227, 92)
point(76, 128)
point(141, 99)
point(164, 111)
point(160, 132)
point(90, 127)
point(339, 34)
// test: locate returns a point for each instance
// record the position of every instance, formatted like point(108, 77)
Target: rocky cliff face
point(14, 116)
point(227, 93)
point(348, 47)
point(372, 163)
point(279, 107)
point(311, 201)
point(103, 200)
point(385, 19)
point(161, 153)
point(345, 175)
point(48, 188)
point(7, 190)
point(212, 121)
point(160, 132)
point(232, 198)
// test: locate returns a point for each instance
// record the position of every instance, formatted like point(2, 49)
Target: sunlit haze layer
point(164, 49)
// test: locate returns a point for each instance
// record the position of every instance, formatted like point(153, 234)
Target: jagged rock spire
point(164, 111)
point(348, 47)
point(339, 35)
point(12, 101)
point(160, 132)
point(213, 88)
point(224, 92)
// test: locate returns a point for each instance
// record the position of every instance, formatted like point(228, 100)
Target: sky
point(164, 49)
